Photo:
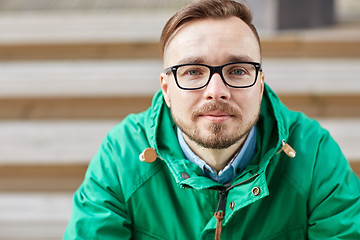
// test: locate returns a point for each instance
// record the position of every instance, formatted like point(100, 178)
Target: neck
point(215, 158)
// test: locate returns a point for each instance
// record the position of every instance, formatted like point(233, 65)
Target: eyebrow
point(231, 58)
point(192, 60)
point(239, 58)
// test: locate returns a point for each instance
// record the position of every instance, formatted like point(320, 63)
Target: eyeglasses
point(193, 76)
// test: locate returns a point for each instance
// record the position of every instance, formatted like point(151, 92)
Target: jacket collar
point(161, 134)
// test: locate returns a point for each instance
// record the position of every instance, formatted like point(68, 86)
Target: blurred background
point(72, 69)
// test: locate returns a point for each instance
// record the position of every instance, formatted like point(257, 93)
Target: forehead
point(213, 41)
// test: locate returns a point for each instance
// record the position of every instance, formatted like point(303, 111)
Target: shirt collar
point(236, 165)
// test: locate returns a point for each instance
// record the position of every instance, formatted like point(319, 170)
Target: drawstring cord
point(219, 217)
point(286, 148)
point(220, 213)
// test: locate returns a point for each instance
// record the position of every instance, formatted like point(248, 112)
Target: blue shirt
point(232, 169)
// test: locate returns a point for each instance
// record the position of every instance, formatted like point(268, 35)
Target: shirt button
point(185, 175)
point(256, 191)
point(232, 205)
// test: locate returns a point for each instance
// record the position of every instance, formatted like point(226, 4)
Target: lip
point(216, 117)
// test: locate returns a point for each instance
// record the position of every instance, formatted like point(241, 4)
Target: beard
point(216, 135)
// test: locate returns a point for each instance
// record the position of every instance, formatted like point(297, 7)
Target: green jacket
point(315, 195)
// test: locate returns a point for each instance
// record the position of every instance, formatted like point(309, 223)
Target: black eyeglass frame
point(213, 70)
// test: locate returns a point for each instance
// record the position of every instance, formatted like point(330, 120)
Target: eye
point(238, 71)
point(193, 72)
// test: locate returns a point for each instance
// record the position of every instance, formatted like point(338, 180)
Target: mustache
point(215, 106)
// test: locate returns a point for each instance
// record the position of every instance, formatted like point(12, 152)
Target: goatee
point(215, 135)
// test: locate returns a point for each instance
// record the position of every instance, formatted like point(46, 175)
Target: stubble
point(216, 135)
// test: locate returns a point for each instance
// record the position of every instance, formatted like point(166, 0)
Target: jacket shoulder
point(119, 153)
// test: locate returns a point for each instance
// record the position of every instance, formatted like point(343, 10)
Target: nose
point(216, 89)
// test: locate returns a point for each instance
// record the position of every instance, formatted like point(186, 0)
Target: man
point(223, 156)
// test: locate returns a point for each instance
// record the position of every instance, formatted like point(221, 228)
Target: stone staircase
point(68, 75)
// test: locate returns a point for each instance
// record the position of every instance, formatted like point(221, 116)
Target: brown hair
point(202, 9)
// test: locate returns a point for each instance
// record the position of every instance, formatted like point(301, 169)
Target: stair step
point(76, 142)
point(125, 34)
point(79, 78)
point(40, 216)
point(86, 5)
point(81, 27)
point(115, 88)
point(51, 142)
point(141, 77)
point(62, 108)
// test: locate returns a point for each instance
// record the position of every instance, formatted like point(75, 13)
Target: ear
point(262, 84)
point(165, 88)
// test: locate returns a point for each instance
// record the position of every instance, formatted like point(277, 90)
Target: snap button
point(185, 175)
point(256, 191)
point(149, 155)
point(232, 205)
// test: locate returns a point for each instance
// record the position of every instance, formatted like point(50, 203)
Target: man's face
point(216, 116)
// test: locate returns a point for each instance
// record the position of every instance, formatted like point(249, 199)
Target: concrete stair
point(34, 216)
point(67, 76)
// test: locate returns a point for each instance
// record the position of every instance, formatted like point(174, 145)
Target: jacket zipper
point(220, 211)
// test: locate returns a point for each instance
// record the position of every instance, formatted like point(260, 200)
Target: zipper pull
point(220, 213)
point(288, 149)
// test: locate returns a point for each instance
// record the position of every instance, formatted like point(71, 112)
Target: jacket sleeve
point(99, 209)
point(334, 203)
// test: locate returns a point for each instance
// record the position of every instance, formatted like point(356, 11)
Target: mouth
point(215, 112)
point(216, 116)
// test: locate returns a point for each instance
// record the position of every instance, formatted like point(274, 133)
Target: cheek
point(248, 100)
point(256, 93)
point(171, 94)
point(182, 102)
